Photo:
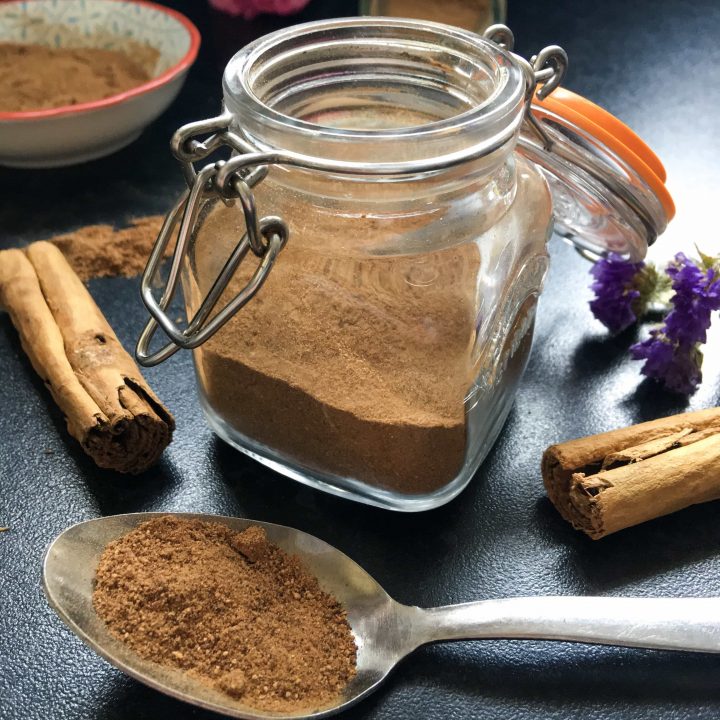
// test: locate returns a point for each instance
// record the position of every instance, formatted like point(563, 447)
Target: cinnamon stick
point(607, 482)
point(108, 406)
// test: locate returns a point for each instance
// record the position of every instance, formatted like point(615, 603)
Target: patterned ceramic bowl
point(76, 133)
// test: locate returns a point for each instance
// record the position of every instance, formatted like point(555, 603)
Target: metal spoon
point(385, 631)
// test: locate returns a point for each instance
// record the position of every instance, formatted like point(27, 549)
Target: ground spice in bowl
point(36, 77)
point(229, 608)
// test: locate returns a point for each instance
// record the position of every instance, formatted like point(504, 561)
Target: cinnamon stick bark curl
point(108, 406)
point(607, 482)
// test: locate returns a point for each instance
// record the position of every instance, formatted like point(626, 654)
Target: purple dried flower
point(677, 366)
point(672, 353)
point(616, 294)
point(697, 295)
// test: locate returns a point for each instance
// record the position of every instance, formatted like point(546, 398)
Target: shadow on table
point(562, 674)
point(647, 400)
point(422, 540)
point(533, 678)
point(598, 354)
point(127, 699)
point(651, 400)
point(648, 550)
point(117, 493)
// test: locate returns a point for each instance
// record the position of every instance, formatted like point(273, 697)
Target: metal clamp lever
point(543, 73)
point(265, 237)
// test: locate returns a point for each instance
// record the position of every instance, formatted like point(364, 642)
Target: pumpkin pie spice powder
point(229, 608)
point(35, 77)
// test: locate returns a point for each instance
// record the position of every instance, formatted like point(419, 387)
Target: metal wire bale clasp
point(543, 73)
point(264, 237)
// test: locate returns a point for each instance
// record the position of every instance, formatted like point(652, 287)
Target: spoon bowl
point(380, 625)
point(385, 631)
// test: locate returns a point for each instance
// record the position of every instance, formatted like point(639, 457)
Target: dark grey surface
point(654, 64)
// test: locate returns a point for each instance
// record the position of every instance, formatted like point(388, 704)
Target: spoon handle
point(663, 623)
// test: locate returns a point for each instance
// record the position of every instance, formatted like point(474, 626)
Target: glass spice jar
point(394, 187)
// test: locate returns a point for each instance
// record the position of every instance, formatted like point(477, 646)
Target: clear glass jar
point(381, 356)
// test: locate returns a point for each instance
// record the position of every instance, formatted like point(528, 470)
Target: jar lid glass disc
point(607, 185)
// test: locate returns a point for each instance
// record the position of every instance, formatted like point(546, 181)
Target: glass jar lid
point(608, 186)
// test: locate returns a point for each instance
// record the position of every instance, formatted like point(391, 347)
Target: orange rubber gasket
point(587, 116)
point(626, 135)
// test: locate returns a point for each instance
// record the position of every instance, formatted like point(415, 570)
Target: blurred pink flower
point(248, 9)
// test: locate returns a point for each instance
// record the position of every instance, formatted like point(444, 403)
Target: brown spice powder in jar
point(355, 365)
point(36, 77)
point(230, 609)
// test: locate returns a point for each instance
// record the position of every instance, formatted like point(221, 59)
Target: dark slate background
point(653, 63)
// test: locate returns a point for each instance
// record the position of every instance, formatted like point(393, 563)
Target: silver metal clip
point(543, 73)
point(265, 237)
